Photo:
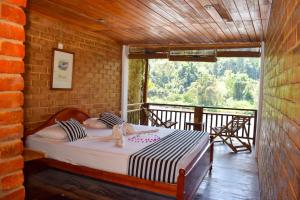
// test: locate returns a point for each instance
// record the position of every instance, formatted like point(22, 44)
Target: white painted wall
point(124, 95)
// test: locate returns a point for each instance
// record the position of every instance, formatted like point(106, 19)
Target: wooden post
point(211, 158)
point(255, 127)
point(145, 87)
point(144, 117)
point(198, 112)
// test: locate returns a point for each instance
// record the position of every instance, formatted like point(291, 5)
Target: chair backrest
point(238, 122)
point(155, 120)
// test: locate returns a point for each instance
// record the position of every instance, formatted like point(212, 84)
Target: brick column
point(12, 52)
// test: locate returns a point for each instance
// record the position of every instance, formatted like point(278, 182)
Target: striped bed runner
point(158, 161)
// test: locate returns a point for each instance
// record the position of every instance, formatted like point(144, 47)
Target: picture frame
point(62, 70)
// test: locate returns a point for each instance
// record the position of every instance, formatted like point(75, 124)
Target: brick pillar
point(12, 52)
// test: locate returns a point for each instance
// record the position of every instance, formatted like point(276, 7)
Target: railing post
point(254, 128)
point(143, 117)
point(198, 113)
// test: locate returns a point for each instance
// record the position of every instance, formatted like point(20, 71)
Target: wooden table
point(30, 154)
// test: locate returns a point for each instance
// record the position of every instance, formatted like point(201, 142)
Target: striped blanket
point(158, 161)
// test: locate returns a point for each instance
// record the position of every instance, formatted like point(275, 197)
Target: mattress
point(94, 153)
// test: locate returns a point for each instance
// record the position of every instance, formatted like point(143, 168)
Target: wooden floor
point(234, 177)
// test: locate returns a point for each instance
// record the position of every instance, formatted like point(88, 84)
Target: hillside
point(230, 82)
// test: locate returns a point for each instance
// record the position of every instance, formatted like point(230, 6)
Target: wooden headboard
point(62, 115)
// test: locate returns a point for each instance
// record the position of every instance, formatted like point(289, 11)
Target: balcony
point(194, 117)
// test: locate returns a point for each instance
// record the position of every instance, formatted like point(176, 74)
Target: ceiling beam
point(170, 47)
point(238, 54)
point(165, 55)
point(193, 58)
point(148, 55)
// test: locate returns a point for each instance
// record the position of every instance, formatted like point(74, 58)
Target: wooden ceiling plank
point(201, 11)
point(94, 12)
point(253, 9)
point(181, 7)
point(231, 25)
point(62, 13)
point(181, 21)
point(145, 13)
point(235, 25)
point(171, 27)
point(104, 10)
point(157, 20)
point(218, 20)
point(134, 16)
point(204, 23)
point(236, 19)
point(243, 22)
point(265, 11)
point(261, 22)
point(189, 36)
point(163, 21)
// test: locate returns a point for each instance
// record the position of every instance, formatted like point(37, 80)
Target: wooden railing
point(134, 113)
point(202, 118)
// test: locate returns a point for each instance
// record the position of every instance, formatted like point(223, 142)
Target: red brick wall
point(12, 51)
point(279, 146)
point(97, 70)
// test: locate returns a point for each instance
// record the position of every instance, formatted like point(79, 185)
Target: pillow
point(52, 132)
point(73, 129)
point(110, 119)
point(94, 123)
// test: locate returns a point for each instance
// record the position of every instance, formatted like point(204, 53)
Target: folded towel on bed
point(121, 130)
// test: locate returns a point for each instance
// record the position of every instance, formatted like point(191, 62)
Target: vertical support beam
point(144, 117)
point(211, 157)
point(254, 128)
point(124, 97)
point(198, 113)
point(145, 88)
point(261, 93)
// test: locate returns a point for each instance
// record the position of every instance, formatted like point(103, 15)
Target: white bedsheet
point(90, 152)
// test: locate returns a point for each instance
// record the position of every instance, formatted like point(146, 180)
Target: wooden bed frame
point(188, 180)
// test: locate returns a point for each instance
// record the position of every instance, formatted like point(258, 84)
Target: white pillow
point(94, 123)
point(52, 132)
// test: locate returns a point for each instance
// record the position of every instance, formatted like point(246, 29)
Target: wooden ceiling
point(164, 21)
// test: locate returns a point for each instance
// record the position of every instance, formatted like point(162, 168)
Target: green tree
point(228, 82)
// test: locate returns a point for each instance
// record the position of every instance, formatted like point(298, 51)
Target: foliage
point(230, 82)
point(135, 80)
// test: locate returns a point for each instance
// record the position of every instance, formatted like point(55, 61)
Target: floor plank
point(234, 177)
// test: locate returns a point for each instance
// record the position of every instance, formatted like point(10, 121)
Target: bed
point(86, 156)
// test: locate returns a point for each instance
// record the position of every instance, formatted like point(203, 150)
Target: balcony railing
point(204, 117)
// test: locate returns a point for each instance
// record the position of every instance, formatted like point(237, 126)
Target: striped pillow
point(110, 119)
point(73, 129)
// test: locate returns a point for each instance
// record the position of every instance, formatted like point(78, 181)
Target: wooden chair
point(194, 126)
point(156, 121)
point(229, 133)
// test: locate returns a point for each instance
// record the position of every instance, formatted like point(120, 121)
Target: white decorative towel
point(121, 130)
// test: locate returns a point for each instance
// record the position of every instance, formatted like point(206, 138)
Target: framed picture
point(62, 70)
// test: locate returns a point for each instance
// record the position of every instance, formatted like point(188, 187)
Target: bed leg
point(180, 185)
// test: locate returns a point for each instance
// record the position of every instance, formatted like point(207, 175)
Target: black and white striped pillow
point(73, 129)
point(110, 119)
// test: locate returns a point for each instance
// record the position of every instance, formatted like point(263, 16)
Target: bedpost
point(211, 152)
point(180, 185)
